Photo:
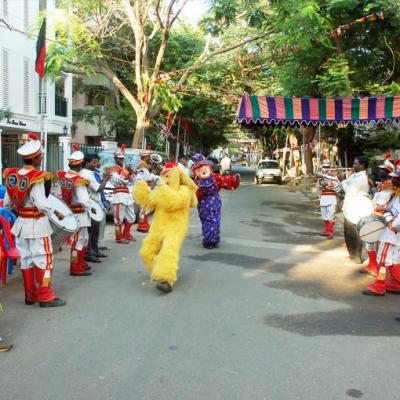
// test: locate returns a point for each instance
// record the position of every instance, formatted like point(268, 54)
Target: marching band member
point(91, 162)
point(328, 200)
point(355, 186)
point(388, 278)
point(74, 192)
point(124, 211)
point(144, 174)
point(383, 194)
point(26, 193)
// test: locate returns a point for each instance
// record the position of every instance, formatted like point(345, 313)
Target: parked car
point(132, 158)
point(268, 171)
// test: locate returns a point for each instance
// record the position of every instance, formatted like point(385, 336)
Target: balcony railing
point(61, 106)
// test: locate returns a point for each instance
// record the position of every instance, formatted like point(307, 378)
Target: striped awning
point(317, 111)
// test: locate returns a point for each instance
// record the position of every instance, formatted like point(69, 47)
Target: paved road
point(274, 313)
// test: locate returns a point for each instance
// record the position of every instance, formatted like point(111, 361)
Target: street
point(275, 313)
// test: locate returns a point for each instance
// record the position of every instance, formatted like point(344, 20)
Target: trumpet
point(327, 177)
point(324, 178)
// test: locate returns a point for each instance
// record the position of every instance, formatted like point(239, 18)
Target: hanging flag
point(41, 50)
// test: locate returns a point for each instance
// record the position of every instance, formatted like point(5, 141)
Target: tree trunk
point(142, 123)
point(308, 137)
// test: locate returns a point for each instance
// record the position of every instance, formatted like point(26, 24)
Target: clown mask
point(203, 172)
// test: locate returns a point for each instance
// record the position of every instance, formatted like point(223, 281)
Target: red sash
point(68, 183)
point(18, 185)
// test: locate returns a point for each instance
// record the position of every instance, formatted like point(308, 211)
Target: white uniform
point(328, 201)
point(122, 199)
point(388, 251)
point(380, 201)
point(81, 197)
point(356, 184)
point(33, 235)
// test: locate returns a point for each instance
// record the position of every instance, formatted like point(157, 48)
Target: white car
point(268, 171)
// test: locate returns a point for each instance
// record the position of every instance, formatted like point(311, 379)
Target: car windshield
point(268, 165)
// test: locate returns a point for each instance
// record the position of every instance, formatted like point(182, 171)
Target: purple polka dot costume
point(209, 209)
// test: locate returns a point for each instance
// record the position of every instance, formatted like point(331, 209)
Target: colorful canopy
point(290, 110)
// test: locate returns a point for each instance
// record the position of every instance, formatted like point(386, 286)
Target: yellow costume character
point(170, 202)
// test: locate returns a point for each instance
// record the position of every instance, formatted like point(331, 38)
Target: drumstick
point(369, 233)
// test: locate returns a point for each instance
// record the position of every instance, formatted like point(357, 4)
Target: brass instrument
point(325, 178)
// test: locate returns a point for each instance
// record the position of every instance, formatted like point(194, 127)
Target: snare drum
point(61, 228)
point(370, 228)
point(96, 211)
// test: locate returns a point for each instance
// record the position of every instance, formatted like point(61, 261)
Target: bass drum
point(357, 207)
point(370, 228)
point(61, 228)
point(96, 211)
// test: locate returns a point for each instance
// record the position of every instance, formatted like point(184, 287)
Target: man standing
point(225, 165)
point(74, 192)
point(182, 163)
point(26, 194)
point(328, 200)
point(356, 188)
point(91, 162)
point(124, 211)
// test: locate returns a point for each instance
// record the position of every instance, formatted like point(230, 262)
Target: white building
point(19, 83)
point(99, 94)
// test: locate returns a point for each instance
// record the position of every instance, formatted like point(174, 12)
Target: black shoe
point(57, 302)
point(104, 248)
point(93, 260)
point(29, 302)
point(101, 255)
point(397, 319)
point(88, 268)
point(164, 287)
point(86, 273)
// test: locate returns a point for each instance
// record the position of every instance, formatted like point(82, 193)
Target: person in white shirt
point(225, 165)
point(92, 161)
point(356, 188)
point(74, 192)
point(26, 194)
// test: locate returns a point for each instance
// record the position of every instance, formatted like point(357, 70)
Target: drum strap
point(122, 189)
point(77, 209)
point(30, 212)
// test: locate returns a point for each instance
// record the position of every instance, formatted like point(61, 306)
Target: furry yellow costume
point(170, 202)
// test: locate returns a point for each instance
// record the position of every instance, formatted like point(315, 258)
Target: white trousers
point(35, 252)
point(372, 246)
point(80, 239)
point(328, 212)
point(388, 254)
point(123, 212)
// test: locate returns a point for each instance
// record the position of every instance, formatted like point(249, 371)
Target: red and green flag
point(41, 50)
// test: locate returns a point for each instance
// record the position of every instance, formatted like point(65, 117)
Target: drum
point(61, 228)
point(370, 228)
point(96, 211)
point(357, 207)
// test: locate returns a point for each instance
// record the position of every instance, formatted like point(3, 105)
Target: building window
point(95, 98)
point(26, 14)
point(5, 78)
point(5, 9)
point(27, 86)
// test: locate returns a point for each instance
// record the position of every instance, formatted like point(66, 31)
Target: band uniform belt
point(30, 212)
point(121, 189)
point(77, 209)
point(330, 193)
